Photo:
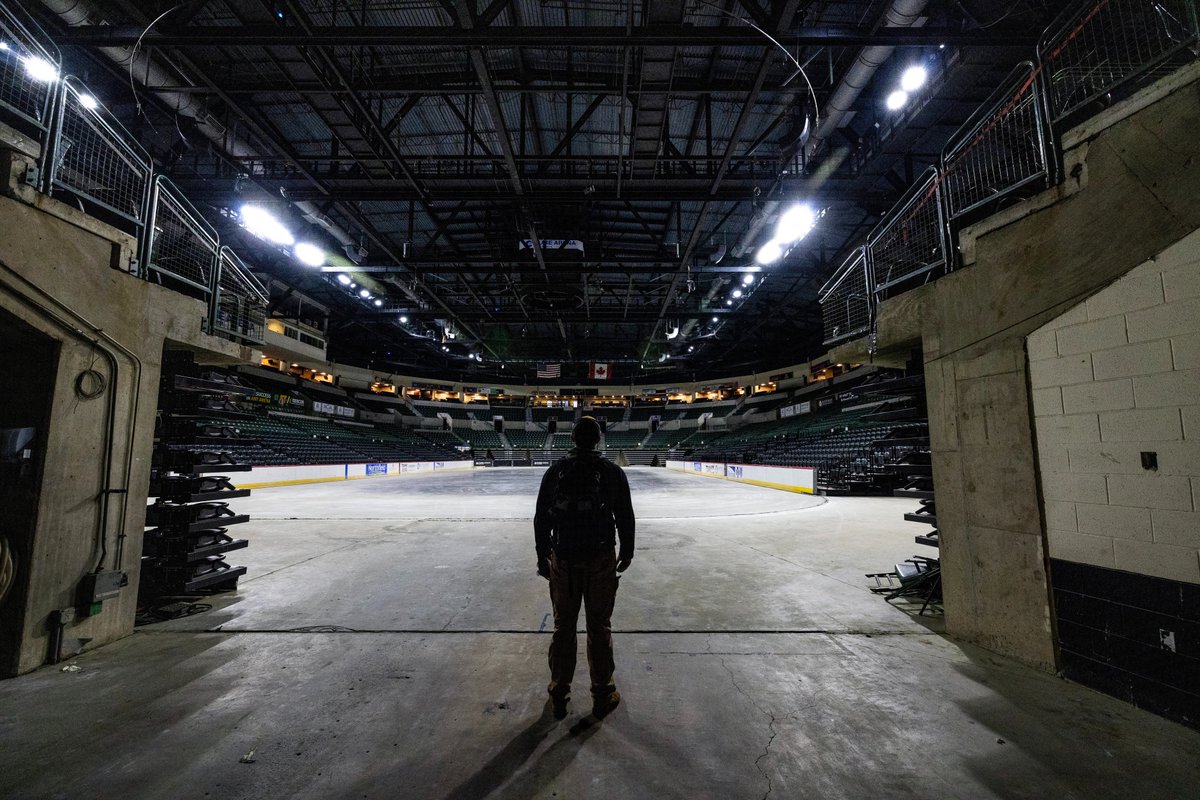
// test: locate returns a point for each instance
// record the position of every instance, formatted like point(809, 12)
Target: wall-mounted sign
point(549, 245)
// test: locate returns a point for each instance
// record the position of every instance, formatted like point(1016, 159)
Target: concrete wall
point(57, 275)
point(1131, 193)
point(1113, 377)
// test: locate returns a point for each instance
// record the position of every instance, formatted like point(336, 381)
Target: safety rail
point(1001, 148)
point(845, 300)
point(1096, 52)
point(180, 245)
point(239, 304)
point(1099, 48)
point(29, 68)
point(93, 157)
point(909, 241)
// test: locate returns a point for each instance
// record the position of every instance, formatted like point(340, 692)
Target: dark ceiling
point(425, 140)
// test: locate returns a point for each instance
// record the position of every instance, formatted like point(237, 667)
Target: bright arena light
point(769, 253)
point(403, 319)
point(309, 254)
point(913, 78)
point(378, 302)
point(264, 225)
point(88, 102)
point(896, 100)
point(363, 293)
point(40, 69)
point(716, 319)
point(344, 279)
point(796, 223)
point(737, 292)
point(748, 279)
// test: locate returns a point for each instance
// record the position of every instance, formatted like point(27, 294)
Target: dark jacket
point(613, 483)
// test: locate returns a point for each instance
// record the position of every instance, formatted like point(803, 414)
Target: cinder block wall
point(1112, 378)
point(1115, 383)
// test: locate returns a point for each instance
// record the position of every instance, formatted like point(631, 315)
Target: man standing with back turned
point(583, 500)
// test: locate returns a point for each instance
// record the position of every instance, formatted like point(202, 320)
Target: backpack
point(583, 522)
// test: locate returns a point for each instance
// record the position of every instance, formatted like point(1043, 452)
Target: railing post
point(214, 289)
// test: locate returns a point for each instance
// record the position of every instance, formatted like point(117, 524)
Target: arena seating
point(667, 439)
point(644, 413)
point(483, 440)
point(510, 413)
point(526, 440)
point(543, 414)
point(561, 441)
point(618, 439)
point(459, 412)
point(613, 414)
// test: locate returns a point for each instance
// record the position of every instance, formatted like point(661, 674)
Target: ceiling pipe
point(901, 14)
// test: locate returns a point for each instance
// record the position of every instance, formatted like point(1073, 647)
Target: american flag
point(549, 370)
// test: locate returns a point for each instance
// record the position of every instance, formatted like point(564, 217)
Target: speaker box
point(653, 425)
point(498, 424)
point(552, 425)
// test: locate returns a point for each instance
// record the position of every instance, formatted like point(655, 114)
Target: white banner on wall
point(791, 479)
point(263, 477)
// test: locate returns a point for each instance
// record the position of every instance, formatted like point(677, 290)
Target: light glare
point(795, 224)
point(403, 319)
point(769, 253)
point(737, 292)
point(344, 280)
point(896, 100)
point(40, 69)
point(88, 102)
point(913, 78)
point(748, 279)
point(264, 225)
point(309, 254)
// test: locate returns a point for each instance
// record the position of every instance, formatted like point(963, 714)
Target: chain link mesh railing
point(1000, 149)
point(846, 300)
point(29, 68)
point(182, 245)
point(1100, 47)
point(908, 242)
point(241, 307)
point(95, 158)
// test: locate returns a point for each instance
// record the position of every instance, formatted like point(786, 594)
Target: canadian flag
point(598, 371)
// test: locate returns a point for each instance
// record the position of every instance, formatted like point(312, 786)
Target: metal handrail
point(23, 94)
point(1000, 149)
point(179, 243)
point(238, 304)
point(847, 301)
point(1098, 48)
point(93, 156)
point(909, 241)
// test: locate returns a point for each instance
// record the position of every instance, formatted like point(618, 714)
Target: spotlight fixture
point(344, 279)
point(40, 69)
point(309, 254)
point(896, 100)
point(796, 223)
point(691, 348)
point(403, 319)
point(913, 78)
point(89, 102)
point(769, 253)
point(378, 302)
point(748, 279)
point(716, 319)
point(364, 293)
point(264, 225)
point(728, 302)
point(737, 292)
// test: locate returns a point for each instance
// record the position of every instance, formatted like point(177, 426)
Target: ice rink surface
point(389, 642)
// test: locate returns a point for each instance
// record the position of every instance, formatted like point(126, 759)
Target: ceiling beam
point(270, 35)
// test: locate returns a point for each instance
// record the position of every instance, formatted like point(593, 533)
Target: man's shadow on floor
point(502, 766)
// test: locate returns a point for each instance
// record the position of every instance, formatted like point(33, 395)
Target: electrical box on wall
point(97, 587)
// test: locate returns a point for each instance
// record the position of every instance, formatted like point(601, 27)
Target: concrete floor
point(389, 642)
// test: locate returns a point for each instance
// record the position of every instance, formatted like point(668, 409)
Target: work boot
point(559, 704)
point(603, 706)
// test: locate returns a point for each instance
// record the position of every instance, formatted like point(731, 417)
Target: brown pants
point(594, 583)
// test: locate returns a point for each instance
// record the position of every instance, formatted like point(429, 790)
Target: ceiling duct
point(901, 14)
